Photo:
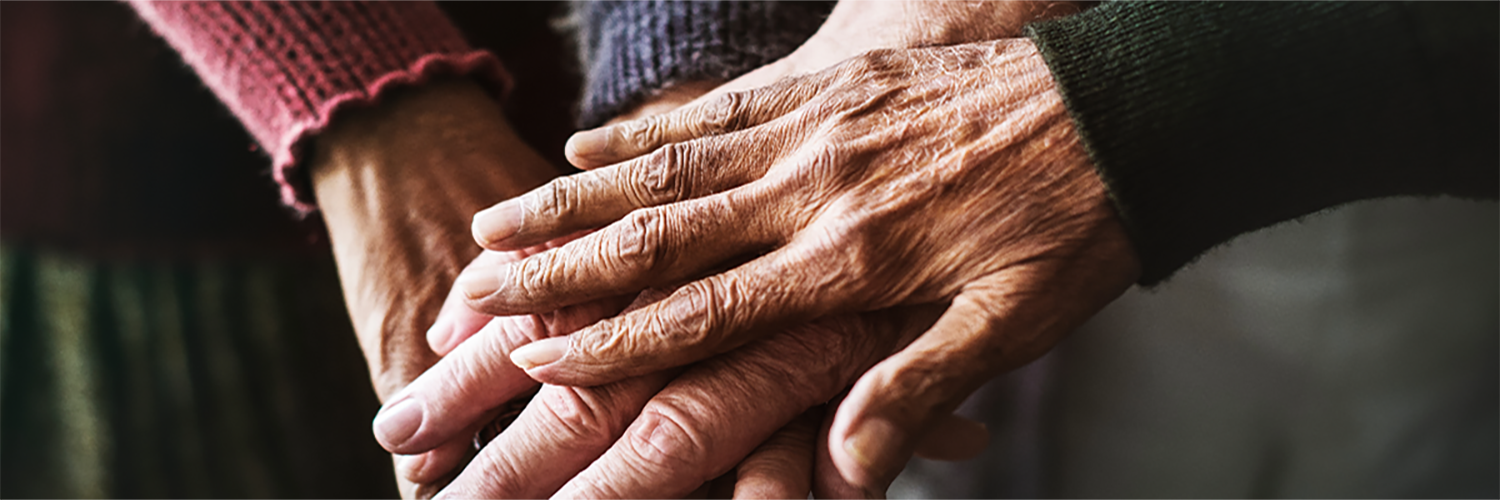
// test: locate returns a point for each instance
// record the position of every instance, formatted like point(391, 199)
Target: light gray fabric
point(1354, 354)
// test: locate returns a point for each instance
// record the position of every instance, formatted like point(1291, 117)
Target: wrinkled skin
point(900, 177)
point(397, 185)
point(662, 434)
point(777, 468)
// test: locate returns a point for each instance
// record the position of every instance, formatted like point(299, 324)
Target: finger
point(720, 410)
point(559, 432)
point(782, 466)
point(408, 489)
point(474, 378)
point(698, 320)
point(996, 324)
point(681, 171)
point(827, 482)
point(556, 436)
point(435, 465)
point(650, 247)
point(716, 115)
point(456, 321)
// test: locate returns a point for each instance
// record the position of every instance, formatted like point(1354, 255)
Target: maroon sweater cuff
point(286, 69)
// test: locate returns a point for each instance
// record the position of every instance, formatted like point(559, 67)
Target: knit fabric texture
point(1209, 120)
point(287, 68)
point(629, 49)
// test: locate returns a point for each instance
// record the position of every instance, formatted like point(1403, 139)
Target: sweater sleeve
point(1210, 120)
point(286, 68)
point(629, 49)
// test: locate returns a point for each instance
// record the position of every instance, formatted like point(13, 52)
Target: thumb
point(905, 403)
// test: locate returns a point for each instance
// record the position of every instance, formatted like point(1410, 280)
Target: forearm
point(1212, 120)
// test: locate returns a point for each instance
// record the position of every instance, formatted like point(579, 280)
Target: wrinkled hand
point(462, 394)
point(900, 177)
point(397, 185)
point(657, 435)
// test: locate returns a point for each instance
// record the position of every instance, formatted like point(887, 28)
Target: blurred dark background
point(167, 328)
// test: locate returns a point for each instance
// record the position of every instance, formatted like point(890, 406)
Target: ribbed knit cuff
point(1209, 120)
point(630, 49)
point(287, 68)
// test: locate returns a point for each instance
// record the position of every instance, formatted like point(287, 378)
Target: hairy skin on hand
point(396, 185)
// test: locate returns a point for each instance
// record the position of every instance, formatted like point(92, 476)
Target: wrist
point(397, 185)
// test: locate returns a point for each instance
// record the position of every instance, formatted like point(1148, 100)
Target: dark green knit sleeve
point(1210, 120)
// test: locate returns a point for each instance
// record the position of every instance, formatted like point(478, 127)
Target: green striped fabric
point(204, 378)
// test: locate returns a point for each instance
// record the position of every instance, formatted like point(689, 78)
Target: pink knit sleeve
point(286, 68)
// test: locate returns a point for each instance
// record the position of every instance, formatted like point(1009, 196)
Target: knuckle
point(559, 200)
point(660, 179)
point(722, 114)
point(668, 440)
point(830, 161)
point(610, 338)
point(530, 277)
point(855, 258)
point(580, 414)
point(879, 60)
point(643, 134)
point(696, 317)
point(642, 245)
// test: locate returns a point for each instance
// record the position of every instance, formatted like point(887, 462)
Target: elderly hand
point(397, 185)
point(460, 395)
point(900, 177)
point(657, 435)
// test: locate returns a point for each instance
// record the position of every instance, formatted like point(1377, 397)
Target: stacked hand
point(901, 179)
point(898, 178)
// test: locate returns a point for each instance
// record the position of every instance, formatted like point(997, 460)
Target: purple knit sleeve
point(630, 49)
point(287, 68)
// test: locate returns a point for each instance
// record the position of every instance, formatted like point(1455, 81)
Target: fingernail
point(495, 224)
point(872, 443)
point(439, 335)
point(397, 424)
point(539, 353)
point(589, 143)
point(408, 466)
point(478, 283)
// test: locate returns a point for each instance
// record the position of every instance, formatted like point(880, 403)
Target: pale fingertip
point(539, 353)
point(440, 336)
point(585, 148)
point(496, 224)
point(478, 284)
point(397, 423)
point(872, 445)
